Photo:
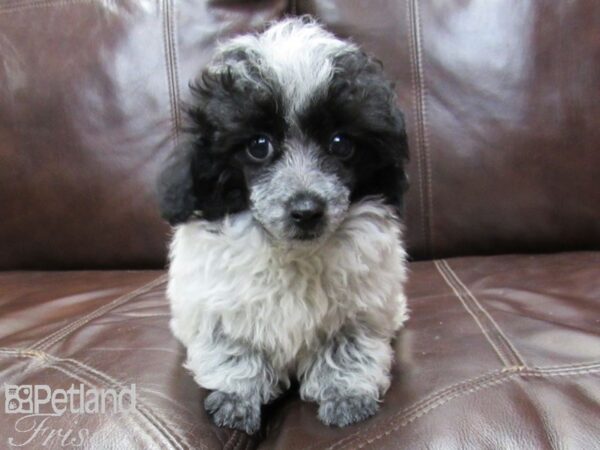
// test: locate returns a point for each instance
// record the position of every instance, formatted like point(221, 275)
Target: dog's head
point(293, 125)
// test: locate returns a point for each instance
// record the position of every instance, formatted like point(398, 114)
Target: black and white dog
point(287, 259)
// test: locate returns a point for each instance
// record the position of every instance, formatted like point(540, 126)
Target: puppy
point(287, 260)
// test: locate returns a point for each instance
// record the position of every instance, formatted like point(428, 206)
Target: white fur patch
point(295, 53)
point(282, 300)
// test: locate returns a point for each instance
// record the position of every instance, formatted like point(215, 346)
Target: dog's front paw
point(234, 411)
point(342, 411)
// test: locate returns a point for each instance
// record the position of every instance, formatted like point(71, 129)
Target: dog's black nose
point(306, 210)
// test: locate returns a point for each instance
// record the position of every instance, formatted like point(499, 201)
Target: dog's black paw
point(342, 411)
point(233, 411)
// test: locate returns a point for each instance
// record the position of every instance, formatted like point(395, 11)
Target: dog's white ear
point(176, 195)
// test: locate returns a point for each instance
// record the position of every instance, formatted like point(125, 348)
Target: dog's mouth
point(294, 234)
point(303, 235)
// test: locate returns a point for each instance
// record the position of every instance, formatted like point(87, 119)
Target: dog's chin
point(297, 238)
point(306, 237)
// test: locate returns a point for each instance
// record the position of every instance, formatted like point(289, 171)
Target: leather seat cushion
point(499, 352)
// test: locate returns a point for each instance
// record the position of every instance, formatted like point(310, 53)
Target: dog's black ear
point(176, 190)
point(392, 180)
point(388, 180)
point(219, 186)
point(365, 102)
point(197, 182)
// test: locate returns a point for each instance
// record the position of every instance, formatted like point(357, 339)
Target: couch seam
point(425, 126)
point(226, 445)
point(233, 441)
point(38, 4)
point(426, 410)
point(414, 412)
point(520, 373)
point(241, 441)
point(567, 366)
point(420, 109)
point(519, 359)
point(414, 78)
point(440, 393)
point(494, 339)
point(569, 369)
point(146, 411)
point(61, 333)
point(79, 370)
point(171, 66)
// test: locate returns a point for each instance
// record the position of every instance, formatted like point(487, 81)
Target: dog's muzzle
point(306, 215)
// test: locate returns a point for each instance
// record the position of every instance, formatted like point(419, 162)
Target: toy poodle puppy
point(287, 259)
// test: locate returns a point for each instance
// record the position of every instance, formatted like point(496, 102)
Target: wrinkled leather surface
point(500, 352)
point(503, 110)
point(501, 104)
point(90, 102)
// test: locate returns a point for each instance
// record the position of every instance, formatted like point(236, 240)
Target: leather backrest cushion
point(501, 101)
point(89, 103)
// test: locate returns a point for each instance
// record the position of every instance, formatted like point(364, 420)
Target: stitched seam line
point(51, 339)
point(230, 440)
point(416, 104)
point(241, 442)
point(172, 24)
point(234, 440)
point(16, 7)
point(567, 366)
point(487, 328)
point(518, 358)
point(248, 444)
point(448, 390)
point(144, 409)
point(573, 369)
point(171, 67)
point(415, 416)
point(74, 367)
point(428, 176)
point(422, 408)
point(422, 141)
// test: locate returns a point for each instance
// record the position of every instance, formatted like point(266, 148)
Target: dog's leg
point(242, 380)
point(347, 376)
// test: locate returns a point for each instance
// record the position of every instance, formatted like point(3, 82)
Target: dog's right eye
point(259, 149)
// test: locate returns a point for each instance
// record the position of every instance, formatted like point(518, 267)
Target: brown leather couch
point(502, 100)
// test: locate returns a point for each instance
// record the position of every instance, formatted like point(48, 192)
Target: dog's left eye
point(341, 146)
point(259, 149)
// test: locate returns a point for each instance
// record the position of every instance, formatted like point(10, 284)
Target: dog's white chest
point(280, 301)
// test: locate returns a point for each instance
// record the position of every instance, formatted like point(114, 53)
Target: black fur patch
point(205, 174)
point(360, 103)
point(208, 175)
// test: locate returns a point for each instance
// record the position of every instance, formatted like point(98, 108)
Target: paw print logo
point(19, 399)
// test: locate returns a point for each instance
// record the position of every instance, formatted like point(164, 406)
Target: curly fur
point(254, 305)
